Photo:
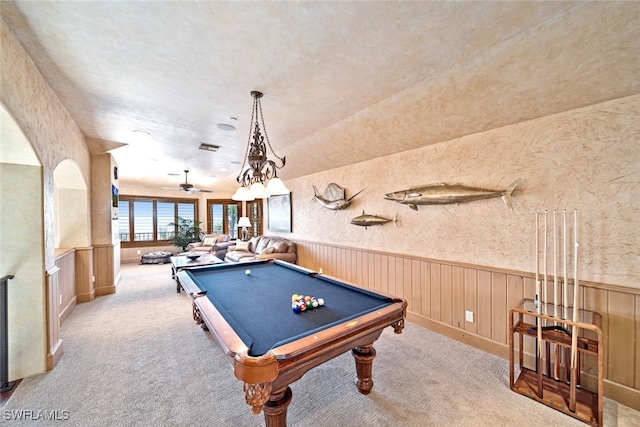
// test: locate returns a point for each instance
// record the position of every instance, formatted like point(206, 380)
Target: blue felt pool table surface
point(258, 306)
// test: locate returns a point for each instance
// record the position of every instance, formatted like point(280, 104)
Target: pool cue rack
point(539, 383)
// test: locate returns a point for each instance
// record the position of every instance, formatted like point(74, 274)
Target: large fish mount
point(365, 220)
point(444, 194)
point(334, 197)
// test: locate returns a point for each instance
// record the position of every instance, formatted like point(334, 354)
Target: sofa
point(215, 244)
point(262, 247)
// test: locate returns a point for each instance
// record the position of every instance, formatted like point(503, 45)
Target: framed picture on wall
point(114, 202)
point(279, 211)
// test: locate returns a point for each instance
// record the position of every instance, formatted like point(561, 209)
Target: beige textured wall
point(45, 122)
point(54, 137)
point(586, 159)
point(102, 179)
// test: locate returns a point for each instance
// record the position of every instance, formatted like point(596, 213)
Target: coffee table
point(181, 262)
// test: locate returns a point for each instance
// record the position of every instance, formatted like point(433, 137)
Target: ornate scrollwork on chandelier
point(257, 169)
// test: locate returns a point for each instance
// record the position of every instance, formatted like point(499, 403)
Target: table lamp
point(244, 223)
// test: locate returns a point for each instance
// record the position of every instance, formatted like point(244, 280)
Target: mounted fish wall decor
point(365, 220)
point(443, 194)
point(334, 197)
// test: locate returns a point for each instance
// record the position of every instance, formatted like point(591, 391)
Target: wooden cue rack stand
point(557, 393)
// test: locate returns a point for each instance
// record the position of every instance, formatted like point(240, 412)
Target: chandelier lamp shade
point(258, 176)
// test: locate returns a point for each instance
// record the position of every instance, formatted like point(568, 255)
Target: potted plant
point(187, 231)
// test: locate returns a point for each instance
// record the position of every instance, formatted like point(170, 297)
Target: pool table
point(269, 345)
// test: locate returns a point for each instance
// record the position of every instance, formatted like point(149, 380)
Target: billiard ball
point(295, 308)
point(315, 303)
point(247, 272)
point(320, 301)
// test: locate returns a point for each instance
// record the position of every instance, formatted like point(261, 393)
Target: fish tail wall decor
point(443, 194)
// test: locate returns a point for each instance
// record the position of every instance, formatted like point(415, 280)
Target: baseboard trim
point(66, 312)
point(55, 355)
point(105, 290)
point(89, 296)
point(622, 394)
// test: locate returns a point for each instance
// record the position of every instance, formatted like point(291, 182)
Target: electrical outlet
point(469, 316)
point(320, 270)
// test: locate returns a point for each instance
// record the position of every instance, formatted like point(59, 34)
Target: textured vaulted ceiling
point(343, 81)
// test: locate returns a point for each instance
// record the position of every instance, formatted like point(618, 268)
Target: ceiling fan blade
point(202, 191)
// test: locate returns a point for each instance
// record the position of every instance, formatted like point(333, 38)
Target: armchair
point(216, 244)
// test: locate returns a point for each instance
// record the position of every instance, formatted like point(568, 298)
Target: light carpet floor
point(136, 358)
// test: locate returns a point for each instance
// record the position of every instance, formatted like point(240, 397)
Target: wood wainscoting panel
point(54, 341)
point(66, 283)
point(471, 298)
point(439, 292)
point(458, 297)
point(499, 312)
point(85, 286)
point(434, 299)
point(484, 310)
point(446, 293)
point(417, 286)
point(621, 330)
point(103, 269)
point(637, 349)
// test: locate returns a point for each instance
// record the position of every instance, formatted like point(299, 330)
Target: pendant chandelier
point(258, 176)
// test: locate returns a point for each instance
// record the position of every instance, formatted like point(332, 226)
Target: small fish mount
point(334, 197)
point(365, 220)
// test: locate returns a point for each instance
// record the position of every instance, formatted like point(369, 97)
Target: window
point(222, 217)
point(254, 212)
point(151, 221)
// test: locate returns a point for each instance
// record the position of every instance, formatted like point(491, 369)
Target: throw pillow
point(208, 241)
point(268, 250)
point(242, 246)
point(222, 238)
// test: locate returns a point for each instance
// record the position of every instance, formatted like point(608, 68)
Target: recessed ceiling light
point(224, 170)
point(235, 162)
point(226, 127)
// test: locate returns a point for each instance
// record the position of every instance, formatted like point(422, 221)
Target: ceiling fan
point(187, 187)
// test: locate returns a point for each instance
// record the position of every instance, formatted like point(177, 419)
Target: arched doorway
point(22, 248)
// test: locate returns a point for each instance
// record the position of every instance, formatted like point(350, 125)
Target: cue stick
point(574, 332)
point(544, 266)
point(538, 321)
point(565, 289)
point(556, 364)
point(545, 299)
point(565, 296)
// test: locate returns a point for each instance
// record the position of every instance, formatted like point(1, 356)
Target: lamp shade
point(243, 194)
point(276, 187)
point(257, 190)
point(244, 222)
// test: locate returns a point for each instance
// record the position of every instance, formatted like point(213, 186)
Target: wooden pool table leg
point(275, 410)
point(364, 356)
